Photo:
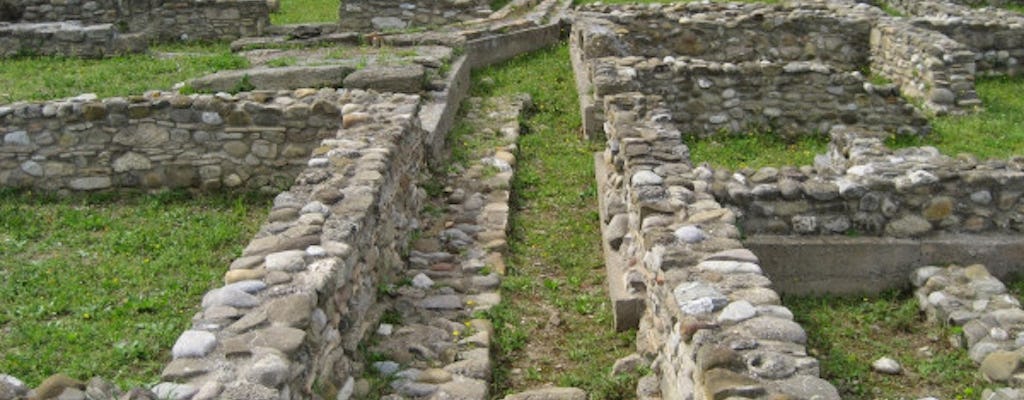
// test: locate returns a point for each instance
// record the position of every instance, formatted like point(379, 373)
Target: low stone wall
point(926, 65)
point(864, 188)
point(385, 15)
point(259, 140)
point(789, 99)
point(297, 301)
point(711, 323)
point(99, 28)
point(724, 32)
point(87, 12)
point(990, 318)
point(67, 39)
point(995, 35)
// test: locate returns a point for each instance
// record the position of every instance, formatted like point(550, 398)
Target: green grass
point(306, 11)
point(555, 322)
point(996, 132)
point(102, 285)
point(755, 150)
point(46, 78)
point(848, 334)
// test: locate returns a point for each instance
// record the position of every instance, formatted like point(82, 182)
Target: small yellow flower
point(456, 333)
point(470, 302)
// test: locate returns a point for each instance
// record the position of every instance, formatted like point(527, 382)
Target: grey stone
point(17, 138)
point(185, 368)
point(401, 79)
point(386, 367)
point(807, 387)
point(249, 286)
point(293, 311)
point(194, 344)
point(90, 183)
point(698, 298)
point(628, 364)
point(553, 393)
point(32, 168)
point(737, 311)
point(250, 392)
point(174, 391)
point(131, 161)
point(285, 78)
point(229, 297)
point(769, 328)
point(908, 226)
point(1000, 366)
point(442, 302)
point(290, 261)
point(270, 370)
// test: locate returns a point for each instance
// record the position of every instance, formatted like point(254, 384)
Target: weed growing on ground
point(102, 284)
point(848, 334)
point(46, 78)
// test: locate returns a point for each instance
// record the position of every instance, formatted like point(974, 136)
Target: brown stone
point(237, 275)
point(53, 386)
point(938, 209)
point(721, 384)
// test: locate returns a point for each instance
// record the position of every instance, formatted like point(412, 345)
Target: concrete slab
point(867, 265)
point(627, 306)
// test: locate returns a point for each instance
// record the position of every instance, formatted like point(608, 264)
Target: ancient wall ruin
point(863, 187)
point(710, 322)
point(106, 28)
point(738, 68)
point(390, 15)
point(258, 140)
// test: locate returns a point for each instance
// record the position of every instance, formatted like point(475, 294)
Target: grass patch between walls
point(48, 78)
point(848, 334)
point(554, 325)
point(103, 284)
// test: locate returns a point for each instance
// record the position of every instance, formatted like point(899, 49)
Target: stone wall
point(735, 32)
point(67, 39)
point(995, 35)
point(301, 297)
point(98, 28)
point(256, 140)
point(864, 188)
point(389, 15)
point(790, 99)
point(926, 65)
point(711, 325)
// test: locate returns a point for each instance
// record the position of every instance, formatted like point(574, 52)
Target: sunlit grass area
point(47, 78)
point(102, 285)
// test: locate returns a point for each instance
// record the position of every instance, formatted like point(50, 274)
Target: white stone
point(887, 365)
point(422, 281)
point(347, 390)
point(211, 118)
point(385, 329)
point(729, 267)
point(316, 251)
point(643, 178)
point(690, 234)
point(17, 138)
point(193, 344)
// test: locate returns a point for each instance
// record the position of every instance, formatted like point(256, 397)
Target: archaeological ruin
point(696, 256)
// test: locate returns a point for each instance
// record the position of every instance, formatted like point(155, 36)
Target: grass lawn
point(306, 11)
point(102, 285)
point(848, 334)
point(755, 150)
point(555, 324)
point(996, 132)
point(48, 78)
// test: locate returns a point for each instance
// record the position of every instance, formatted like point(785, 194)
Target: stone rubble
point(991, 319)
